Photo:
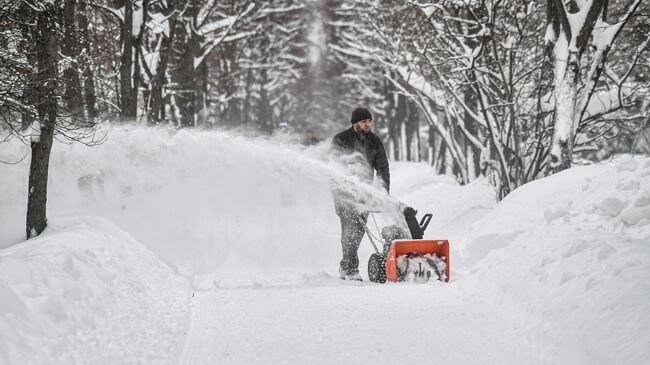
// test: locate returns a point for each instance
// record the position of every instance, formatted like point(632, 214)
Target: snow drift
point(573, 250)
point(86, 292)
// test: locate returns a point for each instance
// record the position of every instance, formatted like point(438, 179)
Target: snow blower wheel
point(377, 268)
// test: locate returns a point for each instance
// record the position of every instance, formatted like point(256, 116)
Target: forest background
point(507, 90)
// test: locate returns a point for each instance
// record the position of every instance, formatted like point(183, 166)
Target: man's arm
point(381, 165)
point(341, 195)
point(337, 146)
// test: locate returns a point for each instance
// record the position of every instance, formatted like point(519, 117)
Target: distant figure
point(364, 153)
point(310, 139)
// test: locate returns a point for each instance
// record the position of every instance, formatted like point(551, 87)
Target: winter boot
point(354, 276)
point(343, 275)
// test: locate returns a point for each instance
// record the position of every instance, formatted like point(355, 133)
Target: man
point(363, 153)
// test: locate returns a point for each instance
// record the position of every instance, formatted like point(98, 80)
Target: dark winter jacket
point(364, 152)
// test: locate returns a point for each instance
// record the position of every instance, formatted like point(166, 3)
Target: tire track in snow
point(357, 324)
point(192, 347)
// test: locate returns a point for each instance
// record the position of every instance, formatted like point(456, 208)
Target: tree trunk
point(234, 104)
point(137, 44)
point(431, 138)
point(185, 97)
point(200, 83)
point(567, 73)
point(88, 79)
point(391, 120)
point(30, 91)
point(565, 104)
point(413, 132)
point(246, 110)
point(264, 115)
point(126, 66)
point(70, 48)
point(46, 50)
point(474, 153)
point(183, 73)
point(157, 105)
point(399, 126)
point(156, 101)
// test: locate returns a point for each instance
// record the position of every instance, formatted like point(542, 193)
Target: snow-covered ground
point(86, 292)
point(202, 247)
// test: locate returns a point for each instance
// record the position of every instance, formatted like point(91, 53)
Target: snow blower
point(405, 258)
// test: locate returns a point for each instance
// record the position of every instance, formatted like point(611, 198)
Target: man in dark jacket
point(363, 153)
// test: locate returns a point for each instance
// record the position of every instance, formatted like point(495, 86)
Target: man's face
point(363, 126)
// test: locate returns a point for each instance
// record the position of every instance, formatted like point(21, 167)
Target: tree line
point(509, 90)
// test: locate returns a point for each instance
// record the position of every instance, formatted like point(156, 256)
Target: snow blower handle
point(368, 233)
point(424, 222)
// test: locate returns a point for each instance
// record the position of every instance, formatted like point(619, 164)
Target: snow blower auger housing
point(399, 256)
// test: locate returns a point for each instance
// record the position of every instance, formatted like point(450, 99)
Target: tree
point(46, 49)
point(479, 73)
point(30, 90)
point(570, 27)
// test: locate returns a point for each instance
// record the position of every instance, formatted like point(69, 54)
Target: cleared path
point(325, 321)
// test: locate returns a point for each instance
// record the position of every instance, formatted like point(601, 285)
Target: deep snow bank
point(573, 251)
point(85, 292)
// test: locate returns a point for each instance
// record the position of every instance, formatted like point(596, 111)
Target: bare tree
point(31, 90)
point(571, 26)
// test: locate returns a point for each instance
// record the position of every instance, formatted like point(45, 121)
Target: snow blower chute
point(403, 258)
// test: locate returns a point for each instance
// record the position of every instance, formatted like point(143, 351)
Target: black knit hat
point(360, 114)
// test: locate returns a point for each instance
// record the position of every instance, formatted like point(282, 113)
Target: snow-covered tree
point(37, 100)
point(270, 67)
point(572, 27)
point(486, 59)
point(479, 73)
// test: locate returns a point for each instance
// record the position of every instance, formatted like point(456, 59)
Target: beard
point(361, 130)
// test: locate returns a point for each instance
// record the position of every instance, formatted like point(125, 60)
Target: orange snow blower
point(439, 248)
point(409, 258)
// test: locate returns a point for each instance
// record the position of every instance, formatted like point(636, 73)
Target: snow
point(583, 273)
point(604, 101)
point(316, 38)
point(152, 59)
point(565, 95)
point(158, 23)
point(138, 15)
point(226, 22)
point(430, 8)
point(420, 268)
point(34, 132)
point(550, 35)
point(86, 292)
point(603, 34)
point(419, 83)
point(208, 25)
point(189, 247)
point(576, 23)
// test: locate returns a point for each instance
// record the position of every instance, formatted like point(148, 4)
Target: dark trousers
point(352, 231)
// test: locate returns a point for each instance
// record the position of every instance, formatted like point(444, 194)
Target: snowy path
point(330, 322)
